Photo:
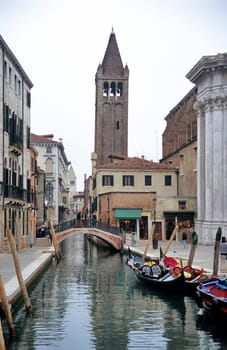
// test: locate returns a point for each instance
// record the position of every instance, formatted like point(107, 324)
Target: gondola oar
point(193, 249)
point(217, 251)
point(149, 241)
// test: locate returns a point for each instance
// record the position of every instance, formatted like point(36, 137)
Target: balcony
point(15, 149)
point(15, 192)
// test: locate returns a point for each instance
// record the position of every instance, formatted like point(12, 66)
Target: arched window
point(105, 89)
point(118, 125)
point(112, 89)
point(119, 89)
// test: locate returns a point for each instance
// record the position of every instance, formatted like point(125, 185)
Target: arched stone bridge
point(112, 240)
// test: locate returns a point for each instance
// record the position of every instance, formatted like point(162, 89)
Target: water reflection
point(91, 300)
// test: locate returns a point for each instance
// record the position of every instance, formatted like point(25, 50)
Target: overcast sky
point(60, 44)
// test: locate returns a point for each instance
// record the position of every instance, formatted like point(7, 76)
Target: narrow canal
point(91, 300)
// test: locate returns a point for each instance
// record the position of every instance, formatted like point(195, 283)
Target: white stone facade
point(52, 160)
point(72, 191)
point(210, 76)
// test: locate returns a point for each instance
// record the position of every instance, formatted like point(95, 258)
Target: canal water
point(91, 300)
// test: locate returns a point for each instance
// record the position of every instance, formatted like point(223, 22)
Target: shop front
point(184, 220)
point(132, 223)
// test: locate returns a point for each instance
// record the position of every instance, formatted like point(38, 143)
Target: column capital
point(210, 103)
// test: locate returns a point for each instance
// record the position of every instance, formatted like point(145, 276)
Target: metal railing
point(108, 228)
point(87, 224)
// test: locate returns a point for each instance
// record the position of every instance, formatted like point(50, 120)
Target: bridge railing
point(87, 224)
point(66, 225)
point(108, 228)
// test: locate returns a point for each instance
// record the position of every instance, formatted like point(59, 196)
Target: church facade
point(210, 77)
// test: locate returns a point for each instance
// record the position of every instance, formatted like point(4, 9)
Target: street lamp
point(155, 239)
point(154, 206)
point(46, 210)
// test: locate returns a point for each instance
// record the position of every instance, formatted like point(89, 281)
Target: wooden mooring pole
point(18, 271)
point(193, 250)
point(217, 251)
point(6, 309)
point(170, 240)
point(2, 341)
point(55, 242)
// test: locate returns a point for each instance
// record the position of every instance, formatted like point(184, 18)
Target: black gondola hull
point(167, 282)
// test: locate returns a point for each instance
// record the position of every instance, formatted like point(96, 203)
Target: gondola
point(213, 297)
point(167, 269)
point(155, 276)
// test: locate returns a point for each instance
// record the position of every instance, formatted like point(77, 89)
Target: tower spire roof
point(112, 63)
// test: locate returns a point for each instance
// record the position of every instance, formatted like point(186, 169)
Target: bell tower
point(111, 105)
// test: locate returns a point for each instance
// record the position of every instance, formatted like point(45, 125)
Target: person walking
point(184, 239)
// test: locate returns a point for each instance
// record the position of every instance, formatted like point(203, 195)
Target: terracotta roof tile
point(132, 163)
point(42, 138)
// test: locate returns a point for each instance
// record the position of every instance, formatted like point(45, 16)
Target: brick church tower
point(111, 110)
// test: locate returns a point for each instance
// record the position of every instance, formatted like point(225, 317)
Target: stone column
point(200, 165)
point(210, 76)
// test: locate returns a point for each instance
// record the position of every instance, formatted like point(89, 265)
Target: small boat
point(213, 297)
point(193, 277)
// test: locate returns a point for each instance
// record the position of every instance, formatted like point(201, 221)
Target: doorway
point(143, 228)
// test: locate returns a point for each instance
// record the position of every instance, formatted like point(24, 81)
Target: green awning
point(128, 213)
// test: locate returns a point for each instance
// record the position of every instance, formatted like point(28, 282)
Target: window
point(20, 181)
point(49, 165)
point(107, 180)
point(28, 137)
point(6, 118)
point(49, 149)
point(15, 83)
point(105, 89)
point(148, 180)
point(5, 69)
point(119, 89)
point(182, 205)
point(10, 75)
point(14, 178)
point(112, 89)
point(28, 99)
point(128, 180)
point(19, 87)
point(168, 180)
point(49, 192)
